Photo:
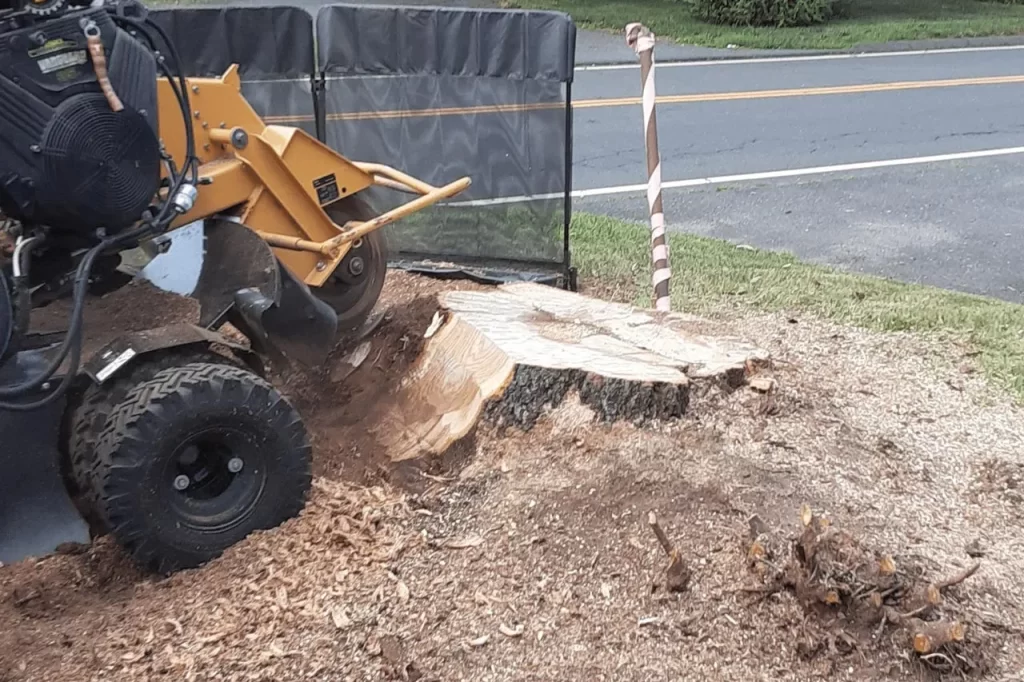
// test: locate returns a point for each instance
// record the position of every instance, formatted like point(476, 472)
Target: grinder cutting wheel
point(171, 439)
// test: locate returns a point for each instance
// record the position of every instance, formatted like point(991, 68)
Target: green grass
point(709, 274)
point(865, 21)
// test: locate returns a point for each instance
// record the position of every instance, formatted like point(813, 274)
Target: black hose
point(22, 293)
point(66, 346)
point(183, 105)
point(190, 168)
point(71, 344)
point(191, 162)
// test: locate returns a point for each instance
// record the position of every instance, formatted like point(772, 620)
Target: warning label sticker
point(326, 189)
point(61, 61)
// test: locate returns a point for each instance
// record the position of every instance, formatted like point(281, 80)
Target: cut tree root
point(677, 575)
point(830, 572)
point(510, 354)
point(929, 637)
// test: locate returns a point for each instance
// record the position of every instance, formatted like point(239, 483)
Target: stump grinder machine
point(170, 440)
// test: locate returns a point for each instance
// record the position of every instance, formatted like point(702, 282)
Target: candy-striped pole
point(641, 39)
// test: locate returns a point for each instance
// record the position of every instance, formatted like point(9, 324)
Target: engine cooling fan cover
point(101, 167)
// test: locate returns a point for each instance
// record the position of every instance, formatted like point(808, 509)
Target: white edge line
point(748, 177)
point(800, 58)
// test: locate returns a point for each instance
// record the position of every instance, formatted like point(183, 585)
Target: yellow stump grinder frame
point(171, 439)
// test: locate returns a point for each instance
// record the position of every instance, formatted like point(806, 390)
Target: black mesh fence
point(272, 46)
point(440, 93)
point(446, 93)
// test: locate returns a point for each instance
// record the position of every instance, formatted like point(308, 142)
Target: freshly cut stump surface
point(510, 353)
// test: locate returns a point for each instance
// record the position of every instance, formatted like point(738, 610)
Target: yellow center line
point(664, 99)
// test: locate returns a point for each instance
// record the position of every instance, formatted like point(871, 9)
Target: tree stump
point(510, 353)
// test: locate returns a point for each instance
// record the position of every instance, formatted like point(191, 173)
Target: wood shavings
point(763, 384)
point(513, 632)
point(331, 560)
point(465, 542)
point(213, 639)
point(340, 619)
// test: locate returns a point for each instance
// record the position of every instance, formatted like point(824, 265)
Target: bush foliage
point(779, 13)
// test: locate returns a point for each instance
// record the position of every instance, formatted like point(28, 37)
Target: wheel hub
point(356, 266)
point(353, 271)
point(209, 482)
point(355, 285)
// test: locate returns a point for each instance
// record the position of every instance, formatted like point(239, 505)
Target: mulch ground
point(530, 557)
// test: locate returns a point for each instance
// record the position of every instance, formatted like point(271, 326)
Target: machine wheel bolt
point(235, 464)
point(181, 482)
point(356, 266)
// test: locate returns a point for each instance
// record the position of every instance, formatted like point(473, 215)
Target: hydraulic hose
point(71, 344)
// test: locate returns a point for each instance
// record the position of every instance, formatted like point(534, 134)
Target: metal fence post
point(641, 39)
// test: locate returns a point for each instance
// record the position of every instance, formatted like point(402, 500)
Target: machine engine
point(69, 159)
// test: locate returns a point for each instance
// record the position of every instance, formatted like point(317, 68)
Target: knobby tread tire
point(88, 418)
point(134, 445)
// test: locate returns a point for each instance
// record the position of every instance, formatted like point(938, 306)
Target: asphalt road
point(953, 223)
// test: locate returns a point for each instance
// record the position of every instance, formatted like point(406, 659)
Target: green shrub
point(765, 12)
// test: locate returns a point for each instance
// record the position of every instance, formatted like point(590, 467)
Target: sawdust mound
point(94, 615)
point(341, 403)
point(531, 558)
point(276, 603)
point(135, 307)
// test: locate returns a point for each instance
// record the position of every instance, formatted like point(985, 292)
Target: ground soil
point(527, 556)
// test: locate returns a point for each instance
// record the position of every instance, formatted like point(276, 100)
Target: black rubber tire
point(162, 528)
point(353, 299)
point(87, 416)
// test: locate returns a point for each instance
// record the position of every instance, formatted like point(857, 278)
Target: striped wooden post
point(641, 39)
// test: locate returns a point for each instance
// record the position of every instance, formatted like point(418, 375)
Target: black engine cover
point(67, 160)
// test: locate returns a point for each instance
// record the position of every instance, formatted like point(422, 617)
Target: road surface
point(952, 221)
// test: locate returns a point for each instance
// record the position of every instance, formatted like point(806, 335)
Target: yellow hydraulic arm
point(278, 179)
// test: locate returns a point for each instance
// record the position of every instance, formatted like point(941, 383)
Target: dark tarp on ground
point(452, 92)
point(273, 47)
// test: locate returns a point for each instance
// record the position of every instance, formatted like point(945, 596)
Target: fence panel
point(446, 93)
point(273, 47)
